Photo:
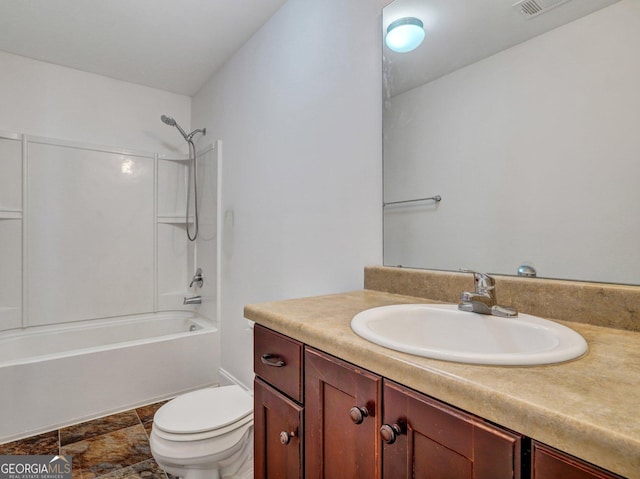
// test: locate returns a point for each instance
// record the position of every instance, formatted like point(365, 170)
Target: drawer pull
point(285, 437)
point(358, 414)
point(272, 360)
point(390, 433)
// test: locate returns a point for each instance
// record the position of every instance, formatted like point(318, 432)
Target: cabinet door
point(426, 438)
point(549, 463)
point(342, 417)
point(277, 429)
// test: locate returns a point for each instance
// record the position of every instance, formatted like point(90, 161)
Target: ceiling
point(176, 45)
point(172, 45)
point(461, 32)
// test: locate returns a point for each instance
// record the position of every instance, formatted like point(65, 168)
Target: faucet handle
point(483, 281)
point(197, 279)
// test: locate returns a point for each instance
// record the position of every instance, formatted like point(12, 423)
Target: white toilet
point(205, 434)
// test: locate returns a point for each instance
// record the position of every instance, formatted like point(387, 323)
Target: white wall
point(298, 110)
point(42, 99)
point(535, 153)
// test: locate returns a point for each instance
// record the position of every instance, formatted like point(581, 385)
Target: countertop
point(588, 407)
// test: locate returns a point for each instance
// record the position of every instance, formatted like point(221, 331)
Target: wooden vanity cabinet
point(278, 410)
point(343, 416)
point(319, 417)
point(426, 438)
point(549, 463)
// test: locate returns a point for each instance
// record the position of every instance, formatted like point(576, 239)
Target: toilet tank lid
point(204, 410)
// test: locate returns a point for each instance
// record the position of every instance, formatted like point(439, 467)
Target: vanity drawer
point(278, 360)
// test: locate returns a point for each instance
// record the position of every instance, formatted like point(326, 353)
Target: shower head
point(168, 120)
point(171, 122)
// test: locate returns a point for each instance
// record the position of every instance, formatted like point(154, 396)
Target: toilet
point(205, 434)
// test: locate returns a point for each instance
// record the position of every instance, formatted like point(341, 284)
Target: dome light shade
point(405, 34)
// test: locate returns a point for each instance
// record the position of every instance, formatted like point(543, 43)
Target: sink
point(441, 331)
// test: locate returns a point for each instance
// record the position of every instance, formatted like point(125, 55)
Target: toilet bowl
point(205, 434)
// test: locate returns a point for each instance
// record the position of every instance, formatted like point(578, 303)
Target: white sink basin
point(441, 331)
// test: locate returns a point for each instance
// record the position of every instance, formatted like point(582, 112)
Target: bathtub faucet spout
point(193, 300)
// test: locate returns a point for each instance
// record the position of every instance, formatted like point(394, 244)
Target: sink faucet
point(483, 299)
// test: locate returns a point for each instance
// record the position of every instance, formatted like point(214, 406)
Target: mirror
point(527, 127)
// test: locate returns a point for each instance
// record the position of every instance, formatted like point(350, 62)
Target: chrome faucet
point(197, 279)
point(483, 299)
point(193, 300)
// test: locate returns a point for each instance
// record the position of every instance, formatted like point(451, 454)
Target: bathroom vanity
point(331, 404)
point(345, 427)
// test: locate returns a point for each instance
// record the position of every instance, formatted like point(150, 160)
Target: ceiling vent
point(533, 8)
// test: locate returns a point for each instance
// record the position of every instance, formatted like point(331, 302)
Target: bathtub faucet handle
point(197, 279)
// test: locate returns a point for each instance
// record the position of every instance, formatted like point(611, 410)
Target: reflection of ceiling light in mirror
point(405, 34)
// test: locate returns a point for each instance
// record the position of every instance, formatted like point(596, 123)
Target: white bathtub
point(55, 376)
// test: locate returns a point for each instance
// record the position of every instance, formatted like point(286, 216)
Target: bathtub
point(55, 376)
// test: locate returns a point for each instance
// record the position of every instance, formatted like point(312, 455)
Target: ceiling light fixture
point(405, 34)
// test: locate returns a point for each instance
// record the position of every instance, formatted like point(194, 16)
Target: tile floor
point(112, 447)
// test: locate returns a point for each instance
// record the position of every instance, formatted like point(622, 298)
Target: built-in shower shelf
point(10, 215)
point(174, 220)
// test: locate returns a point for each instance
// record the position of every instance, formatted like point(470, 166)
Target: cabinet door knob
point(358, 414)
point(390, 433)
point(272, 360)
point(285, 437)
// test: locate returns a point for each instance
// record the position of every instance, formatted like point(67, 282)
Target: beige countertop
point(589, 407)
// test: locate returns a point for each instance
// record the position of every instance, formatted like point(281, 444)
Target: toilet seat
point(204, 414)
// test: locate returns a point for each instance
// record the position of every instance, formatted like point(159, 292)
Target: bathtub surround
point(111, 447)
point(100, 231)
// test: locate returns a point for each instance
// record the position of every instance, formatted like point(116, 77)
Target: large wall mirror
point(527, 125)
